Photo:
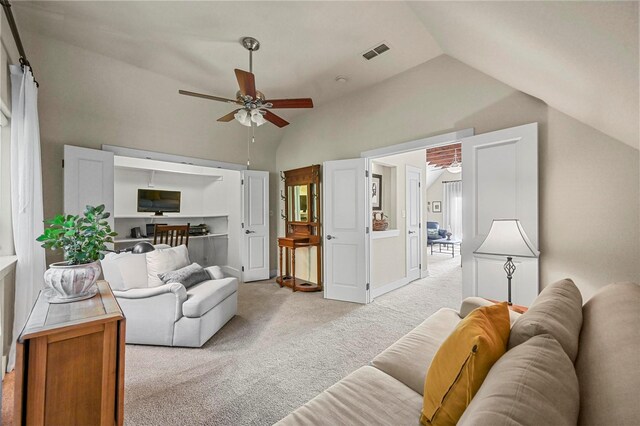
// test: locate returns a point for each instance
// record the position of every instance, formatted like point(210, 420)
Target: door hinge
point(366, 173)
point(419, 184)
point(63, 163)
point(241, 181)
point(243, 269)
point(367, 229)
point(243, 224)
point(367, 286)
point(420, 225)
point(420, 266)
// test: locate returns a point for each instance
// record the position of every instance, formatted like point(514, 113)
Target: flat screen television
point(159, 202)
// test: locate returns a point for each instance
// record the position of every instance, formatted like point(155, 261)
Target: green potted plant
point(84, 240)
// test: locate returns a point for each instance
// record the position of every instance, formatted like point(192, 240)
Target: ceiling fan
point(255, 108)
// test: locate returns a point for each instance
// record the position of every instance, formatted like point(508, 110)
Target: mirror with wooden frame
point(302, 201)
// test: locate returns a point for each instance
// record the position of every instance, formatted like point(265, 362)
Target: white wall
point(388, 255)
point(582, 171)
point(87, 99)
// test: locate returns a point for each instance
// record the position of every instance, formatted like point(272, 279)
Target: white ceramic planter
point(69, 283)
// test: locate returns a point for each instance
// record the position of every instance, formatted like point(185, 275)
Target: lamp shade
point(507, 238)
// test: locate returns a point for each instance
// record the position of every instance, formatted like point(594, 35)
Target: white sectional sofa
point(169, 314)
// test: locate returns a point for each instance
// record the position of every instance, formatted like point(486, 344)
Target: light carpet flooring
point(279, 351)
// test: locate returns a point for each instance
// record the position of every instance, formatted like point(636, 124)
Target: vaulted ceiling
point(579, 57)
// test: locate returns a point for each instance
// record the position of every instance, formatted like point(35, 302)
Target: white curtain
point(26, 197)
point(452, 208)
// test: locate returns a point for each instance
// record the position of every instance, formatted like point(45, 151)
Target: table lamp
point(507, 238)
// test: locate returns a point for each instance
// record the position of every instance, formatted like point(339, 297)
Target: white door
point(88, 180)
point(255, 225)
point(413, 221)
point(346, 202)
point(499, 181)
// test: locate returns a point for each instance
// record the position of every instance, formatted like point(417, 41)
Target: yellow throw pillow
point(462, 362)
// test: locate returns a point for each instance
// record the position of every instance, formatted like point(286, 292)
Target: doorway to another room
point(444, 203)
point(416, 208)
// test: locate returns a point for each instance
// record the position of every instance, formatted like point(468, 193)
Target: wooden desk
point(70, 363)
point(288, 278)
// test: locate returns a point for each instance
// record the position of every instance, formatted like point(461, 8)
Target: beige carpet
point(281, 350)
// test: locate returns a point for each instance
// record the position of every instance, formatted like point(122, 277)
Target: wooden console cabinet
point(70, 363)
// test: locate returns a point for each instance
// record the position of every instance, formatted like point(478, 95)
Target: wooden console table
point(288, 277)
point(70, 363)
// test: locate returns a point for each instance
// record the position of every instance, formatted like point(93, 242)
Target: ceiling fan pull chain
point(249, 151)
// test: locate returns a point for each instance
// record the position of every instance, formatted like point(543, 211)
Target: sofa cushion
point(215, 272)
point(534, 383)
point(201, 298)
point(433, 233)
point(160, 261)
point(608, 363)
point(462, 363)
point(188, 276)
point(556, 311)
point(365, 397)
point(408, 359)
point(125, 271)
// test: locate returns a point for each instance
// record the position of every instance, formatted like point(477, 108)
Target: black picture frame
point(376, 191)
point(436, 206)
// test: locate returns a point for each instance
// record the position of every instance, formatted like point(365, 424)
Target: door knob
point(249, 232)
point(412, 232)
point(330, 237)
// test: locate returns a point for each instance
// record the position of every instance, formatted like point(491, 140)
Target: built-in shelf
point(385, 234)
point(120, 162)
point(167, 216)
point(191, 237)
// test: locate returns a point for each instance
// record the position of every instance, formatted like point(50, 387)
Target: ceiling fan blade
point(229, 117)
point(247, 83)
point(278, 121)
point(210, 97)
point(291, 103)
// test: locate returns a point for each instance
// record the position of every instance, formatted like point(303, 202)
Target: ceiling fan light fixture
point(257, 117)
point(456, 166)
point(243, 118)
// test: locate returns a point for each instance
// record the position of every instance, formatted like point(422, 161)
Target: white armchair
point(169, 314)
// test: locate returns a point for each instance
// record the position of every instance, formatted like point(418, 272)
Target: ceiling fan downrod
point(251, 44)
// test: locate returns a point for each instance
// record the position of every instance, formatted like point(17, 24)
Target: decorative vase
point(68, 283)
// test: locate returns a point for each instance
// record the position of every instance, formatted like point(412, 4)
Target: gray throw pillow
point(532, 384)
point(433, 233)
point(188, 276)
point(556, 311)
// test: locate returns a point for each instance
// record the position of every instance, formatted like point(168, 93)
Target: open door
point(255, 225)
point(499, 181)
point(88, 180)
point(413, 201)
point(346, 244)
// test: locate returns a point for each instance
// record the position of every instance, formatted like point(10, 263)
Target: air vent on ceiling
point(378, 50)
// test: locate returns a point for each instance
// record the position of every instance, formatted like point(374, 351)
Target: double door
point(500, 181)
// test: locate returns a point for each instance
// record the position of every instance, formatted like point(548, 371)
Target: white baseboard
point(376, 292)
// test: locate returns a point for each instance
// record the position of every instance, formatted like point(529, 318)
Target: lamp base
point(509, 268)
